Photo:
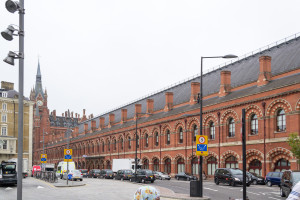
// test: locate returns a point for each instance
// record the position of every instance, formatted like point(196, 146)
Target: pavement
point(165, 193)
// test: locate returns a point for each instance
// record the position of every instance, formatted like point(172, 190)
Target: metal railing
point(46, 176)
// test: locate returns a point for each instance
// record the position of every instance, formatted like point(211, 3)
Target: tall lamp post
point(13, 6)
point(136, 141)
point(200, 101)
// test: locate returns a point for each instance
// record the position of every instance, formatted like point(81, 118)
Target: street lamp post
point(68, 141)
point(13, 6)
point(201, 106)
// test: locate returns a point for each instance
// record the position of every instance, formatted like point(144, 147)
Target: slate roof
point(63, 121)
point(285, 57)
point(13, 94)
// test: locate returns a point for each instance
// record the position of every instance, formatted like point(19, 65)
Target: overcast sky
point(100, 54)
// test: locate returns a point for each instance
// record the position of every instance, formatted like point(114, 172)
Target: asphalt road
point(34, 189)
point(222, 191)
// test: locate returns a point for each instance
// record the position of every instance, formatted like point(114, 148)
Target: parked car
point(288, 180)
point(143, 175)
point(185, 176)
point(76, 175)
point(256, 179)
point(161, 175)
point(123, 174)
point(273, 178)
point(93, 173)
point(230, 176)
point(106, 173)
point(84, 172)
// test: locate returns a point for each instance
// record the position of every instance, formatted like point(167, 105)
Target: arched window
point(180, 165)
point(180, 135)
point(168, 165)
point(146, 164)
point(255, 167)
point(108, 164)
point(102, 146)
point(108, 145)
point(168, 139)
point(122, 143)
point(281, 120)
point(146, 140)
point(211, 166)
point(156, 138)
point(212, 130)
point(231, 162)
point(231, 127)
point(195, 132)
point(195, 165)
point(129, 143)
point(282, 165)
point(115, 144)
point(254, 125)
point(92, 148)
point(156, 165)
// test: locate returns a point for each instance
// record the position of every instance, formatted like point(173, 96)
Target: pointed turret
point(38, 82)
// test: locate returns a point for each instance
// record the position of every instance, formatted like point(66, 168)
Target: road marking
point(274, 198)
point(40, 187)
point(253, 193)
point(9, 188)
point(211, 189)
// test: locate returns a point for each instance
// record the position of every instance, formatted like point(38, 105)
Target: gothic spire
point(38, 82)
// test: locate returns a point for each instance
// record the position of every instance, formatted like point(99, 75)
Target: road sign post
point(68, 158)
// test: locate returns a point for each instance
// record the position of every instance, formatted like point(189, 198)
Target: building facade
point(9, 125)
point(265, 83)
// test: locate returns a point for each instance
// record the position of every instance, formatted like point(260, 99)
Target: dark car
point(84, 172)
point(143, 175)
point(230, 176)
point(185, 176)
point(288, 180)
point(93, 173)
point(123, 174)
point(273, 178)
point(255, 179)
point(8, 173)
point(106, 173)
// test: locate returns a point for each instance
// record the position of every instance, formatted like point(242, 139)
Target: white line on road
point(40, 187)
point(274, 198)
point(253, 193)
point(8, 188)
point(211, 189)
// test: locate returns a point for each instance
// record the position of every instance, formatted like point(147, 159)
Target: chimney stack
point(265, 74)
point(195, 90)
point(138, 110)
point(169, 101)
point(111, 119)
point(225, 85)
point(93, 122)
point(86, 127)
point(54, 114)
point(123, 115)
point(150, 105)
point(101, 123)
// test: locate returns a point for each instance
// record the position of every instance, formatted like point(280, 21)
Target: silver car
point(162, 175)
point(75, 175)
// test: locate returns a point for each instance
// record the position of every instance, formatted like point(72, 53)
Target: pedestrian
point(295, 193)
point(147, 193)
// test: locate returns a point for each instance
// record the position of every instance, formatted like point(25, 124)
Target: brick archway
point(276, 104)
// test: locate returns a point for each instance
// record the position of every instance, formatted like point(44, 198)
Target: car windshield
point(109, 171)
point(254, 174)
point(296, 177)
point(188, 174)
point(128, 172)
point(149, 172)
point(165, 173)
point(97, 170)
point(236, 171)
point(159, 173)
point(8, 167)
point(84, 170)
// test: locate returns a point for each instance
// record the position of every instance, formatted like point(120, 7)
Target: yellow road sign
point(43, 158)
point(201, 145)
point(68, 155)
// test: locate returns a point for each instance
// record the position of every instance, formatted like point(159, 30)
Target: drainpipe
point(264, 113)
point(160, 148)
point(219, 163)
point(185, 121)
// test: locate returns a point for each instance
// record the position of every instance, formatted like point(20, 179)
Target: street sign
point(70, 176)
point(201, 145)
point(68, 155)
point(43, 158)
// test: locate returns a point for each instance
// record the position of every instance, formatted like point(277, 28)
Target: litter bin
point(194, 188)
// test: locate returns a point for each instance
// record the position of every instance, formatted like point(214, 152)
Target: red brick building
point(266, 83)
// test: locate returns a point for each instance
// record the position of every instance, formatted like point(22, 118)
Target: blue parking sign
point(201, 147)
point(68, 157)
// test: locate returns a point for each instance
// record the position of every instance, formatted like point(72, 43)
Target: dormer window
point(4, 94)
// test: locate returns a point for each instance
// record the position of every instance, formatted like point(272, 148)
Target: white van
point(62, 167)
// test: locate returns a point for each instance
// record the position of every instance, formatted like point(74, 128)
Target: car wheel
point(177, 178)
point(122, 179)
point(80, 179)
point(255, 182)
point(232, 183)
point(217, 181)
point(143, 181)
point(188, 179)
point(269, 184)
point(160, 178)
point(282, 193)
point(152, 181)
point(130, 180)
point(248, 185)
